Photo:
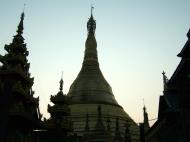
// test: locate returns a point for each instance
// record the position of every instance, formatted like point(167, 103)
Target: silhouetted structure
point(89, 112)
point(19, 111)
point(173, 124)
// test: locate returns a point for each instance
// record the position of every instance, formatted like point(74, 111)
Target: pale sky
point(137, 40)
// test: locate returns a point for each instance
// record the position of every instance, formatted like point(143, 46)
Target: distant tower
point(19, 110)
point(90, 89)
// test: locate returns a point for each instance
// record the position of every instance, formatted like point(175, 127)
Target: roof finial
point(61, 82)
point(165, 80)
point(91, 24)
point(92, 10)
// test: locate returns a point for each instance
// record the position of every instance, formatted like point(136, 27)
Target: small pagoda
point(19, 109)
point(58, 125)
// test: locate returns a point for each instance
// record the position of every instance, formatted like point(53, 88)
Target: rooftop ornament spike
point(92, 10)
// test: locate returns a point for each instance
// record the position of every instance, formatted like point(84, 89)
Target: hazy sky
point(137, 40)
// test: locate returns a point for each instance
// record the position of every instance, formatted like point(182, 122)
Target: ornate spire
point(91, 25)
point(91, 45)
point(20, 26)
point(165, 80)
point(90, 85)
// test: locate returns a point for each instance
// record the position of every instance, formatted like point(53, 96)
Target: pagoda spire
point(91, 44)
point(91, 24)
point(20, 26)
point(90, 85)
point(17, 94)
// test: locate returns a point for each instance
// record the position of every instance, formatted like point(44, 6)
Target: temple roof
point(90, 85)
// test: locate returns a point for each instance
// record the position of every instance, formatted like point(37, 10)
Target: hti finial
point(91, 24)
point(92, 10)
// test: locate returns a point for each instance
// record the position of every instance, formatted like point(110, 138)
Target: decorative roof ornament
point(92, 10)
point(91, 24)
point(165, 80)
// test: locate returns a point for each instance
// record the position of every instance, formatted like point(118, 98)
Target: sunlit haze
point(137, 40)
